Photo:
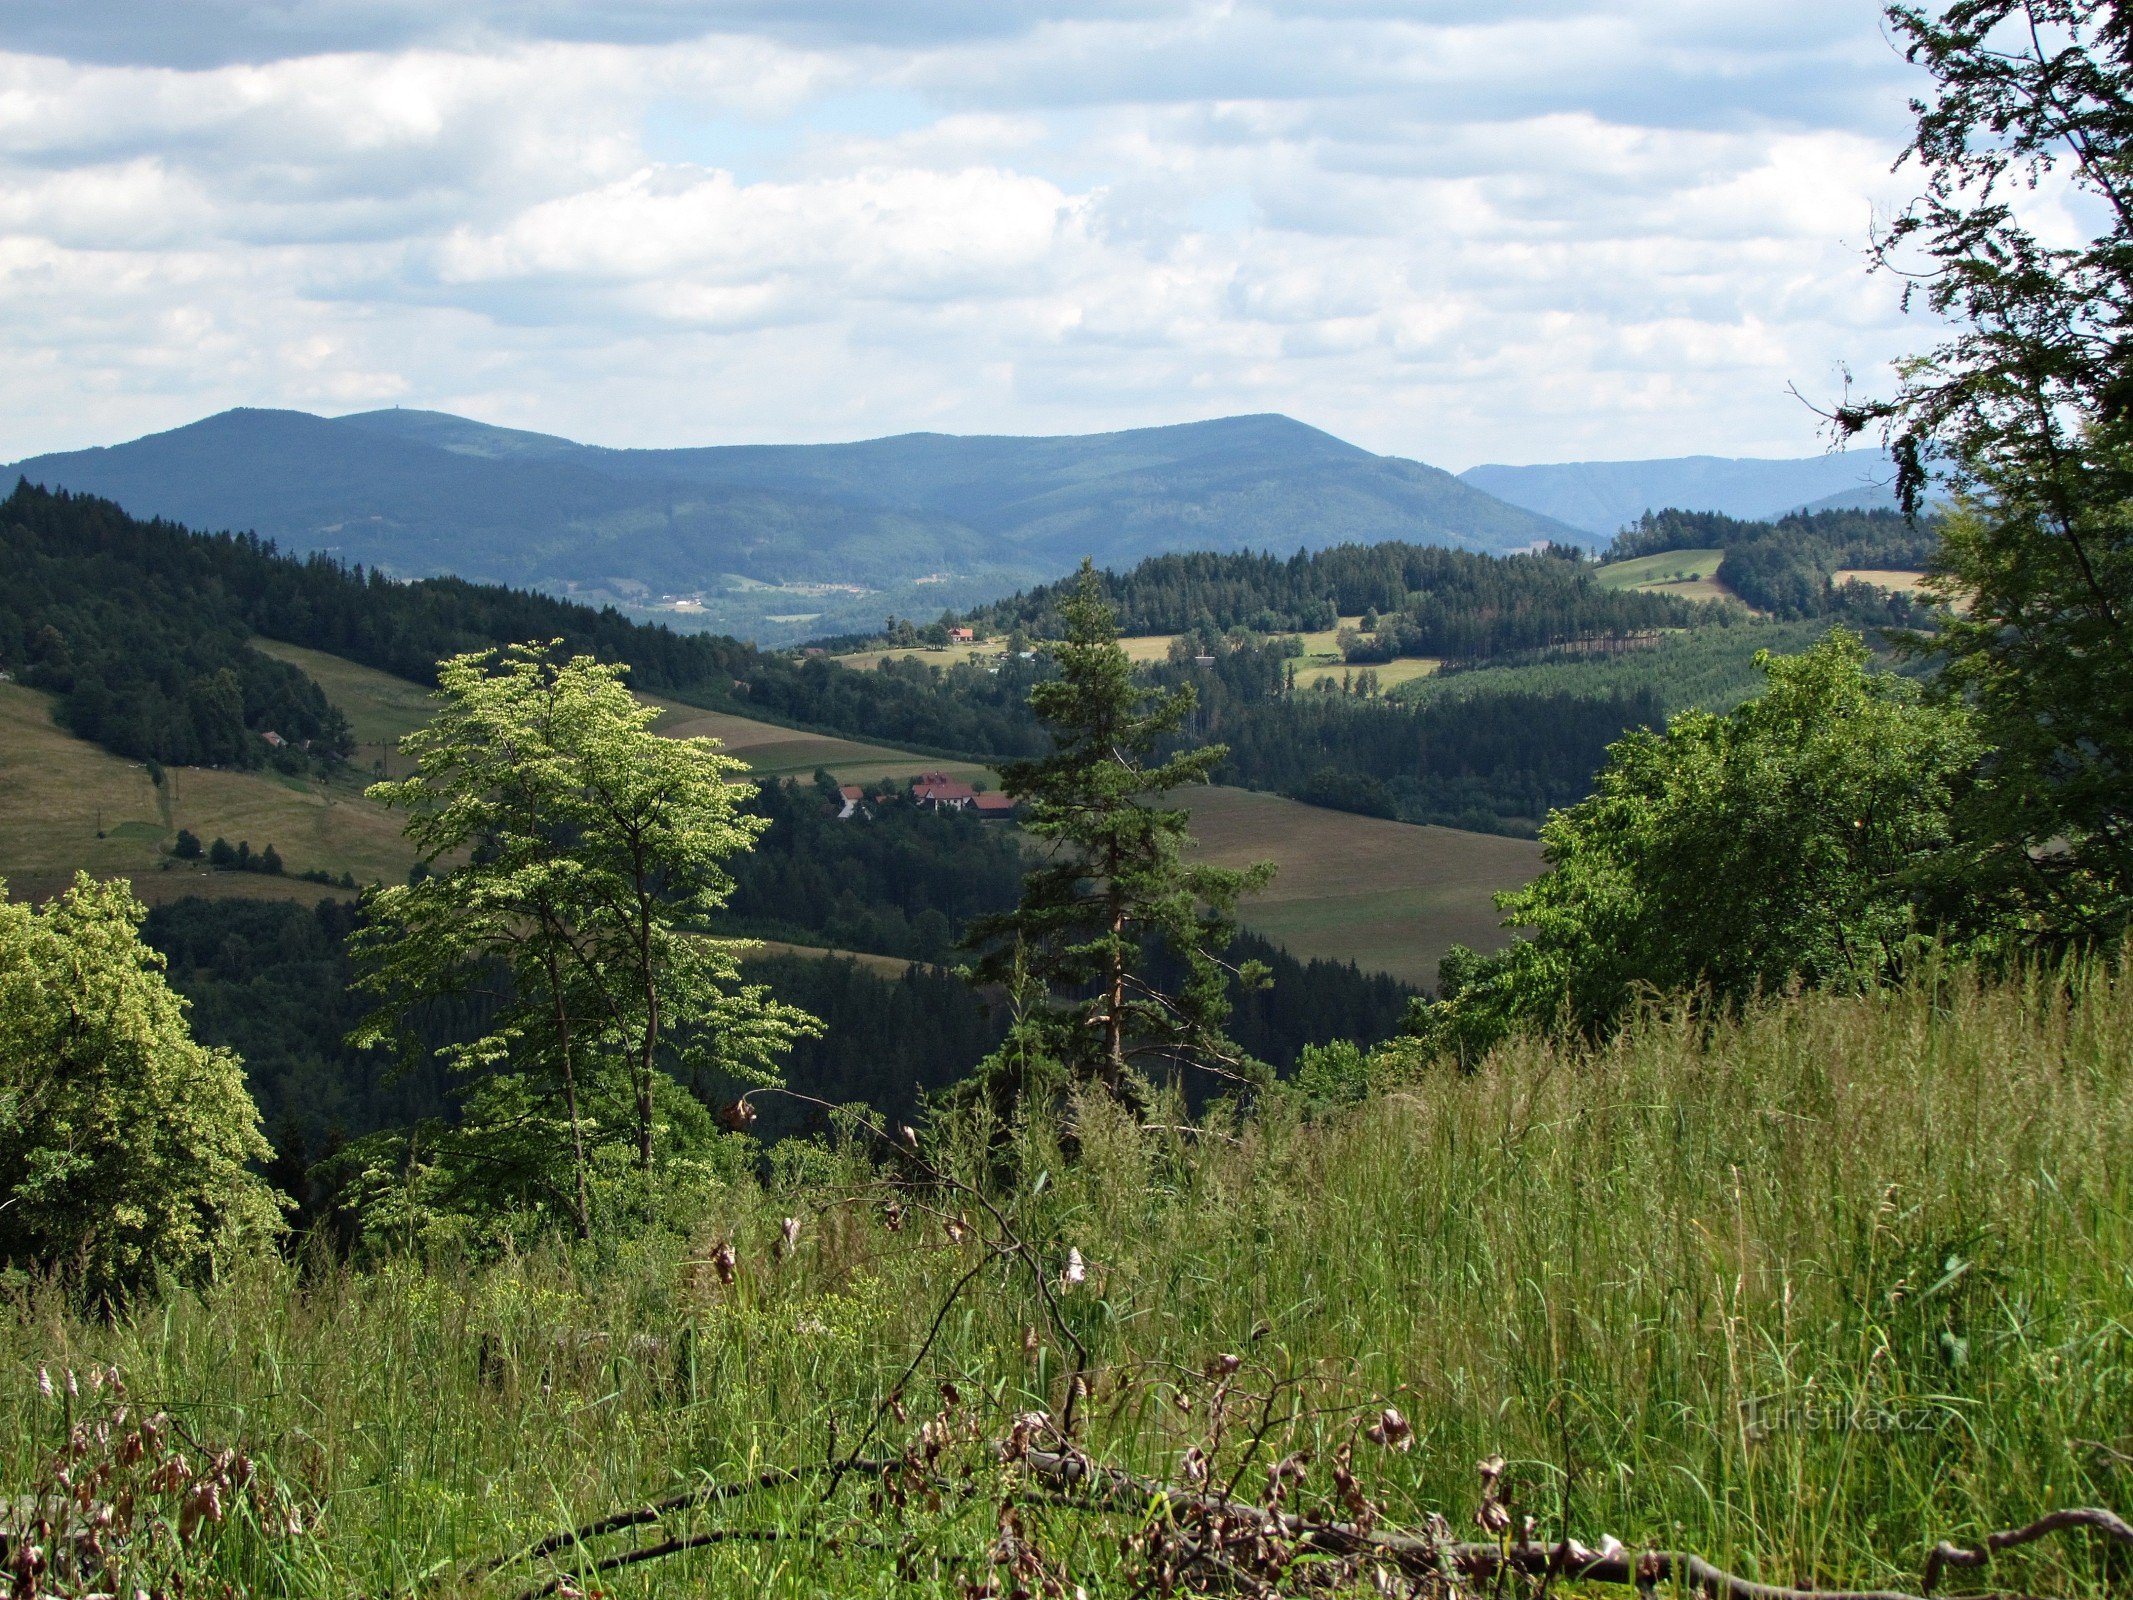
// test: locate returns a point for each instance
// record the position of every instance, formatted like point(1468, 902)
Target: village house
point(942, 793)
point(962, 636)
point(854, 796)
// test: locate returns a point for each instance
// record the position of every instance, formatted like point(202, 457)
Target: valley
point(1389, 896)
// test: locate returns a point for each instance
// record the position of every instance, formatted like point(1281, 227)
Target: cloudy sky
point(1460, 230)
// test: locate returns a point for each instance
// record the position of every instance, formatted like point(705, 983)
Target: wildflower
point(1076, 1270)
point(724, 1261)
point(1392, 1430)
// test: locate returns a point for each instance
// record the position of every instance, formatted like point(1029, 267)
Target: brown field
point(1900, 582)
point(1389, 896)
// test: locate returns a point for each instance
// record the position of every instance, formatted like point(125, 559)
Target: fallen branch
point(2108, 1523)
point(656, 1510)
point(684, 1542)
point(1069, 1473)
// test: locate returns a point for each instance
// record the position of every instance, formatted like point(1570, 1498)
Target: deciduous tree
point(125, 1146)
point(579, 856)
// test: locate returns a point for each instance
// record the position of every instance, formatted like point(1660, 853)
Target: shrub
point(123, 1143)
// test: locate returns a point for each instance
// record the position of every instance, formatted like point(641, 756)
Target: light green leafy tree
point(1114, 880)
point(579, 857)
point(125, 1145)
point(1802, 838)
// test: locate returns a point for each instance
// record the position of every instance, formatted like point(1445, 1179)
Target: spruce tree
point(1115, 880)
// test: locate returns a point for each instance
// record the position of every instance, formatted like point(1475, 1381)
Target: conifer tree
point(1116, 878)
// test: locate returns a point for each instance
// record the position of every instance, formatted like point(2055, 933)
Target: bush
point(187, 845)
point(123, 1143)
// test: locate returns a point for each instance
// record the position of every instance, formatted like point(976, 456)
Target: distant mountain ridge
point(1601, 497)
point(774, 541)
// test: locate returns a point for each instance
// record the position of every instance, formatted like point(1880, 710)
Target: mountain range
point(776, 542)
point(1599, 497)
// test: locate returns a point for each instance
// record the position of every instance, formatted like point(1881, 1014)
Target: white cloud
point(1455, 231)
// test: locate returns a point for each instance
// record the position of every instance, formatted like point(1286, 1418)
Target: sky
point(1456, 230)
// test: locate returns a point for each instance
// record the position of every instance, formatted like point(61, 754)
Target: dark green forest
point(1438, 601)
point(147, 655)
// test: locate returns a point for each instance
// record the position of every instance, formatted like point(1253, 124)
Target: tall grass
point(1803, 1294)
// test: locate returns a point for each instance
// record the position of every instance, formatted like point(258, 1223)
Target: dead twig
point(1073, 1475)
point(1945, 1555)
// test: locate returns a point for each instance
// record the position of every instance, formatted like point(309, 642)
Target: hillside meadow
point(1389, 896)
point(1803, 1294)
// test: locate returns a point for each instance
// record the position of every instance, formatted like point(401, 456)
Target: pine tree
point(1116, 879)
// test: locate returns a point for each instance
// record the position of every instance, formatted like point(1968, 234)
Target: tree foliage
point(579, 859)
point(2026, 407)
point(1115, 880)
point(1793, 840)
point(124, 1144)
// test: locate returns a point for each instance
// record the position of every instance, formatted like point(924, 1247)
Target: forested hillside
point(143, 643)
point(1493, 765)
point(765, 541)
point(1437, 602)
point(1788, 568)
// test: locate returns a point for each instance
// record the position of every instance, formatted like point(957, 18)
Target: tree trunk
point(583, 1198)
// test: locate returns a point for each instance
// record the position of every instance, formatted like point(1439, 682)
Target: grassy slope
point(1710, 668)
point(1803, 1297)
point(55, 789)
point(1389, 896)
point(1691, 574)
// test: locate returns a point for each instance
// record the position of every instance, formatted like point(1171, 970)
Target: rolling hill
point(1599, 497)
point(1389, 896)
point(776, 541)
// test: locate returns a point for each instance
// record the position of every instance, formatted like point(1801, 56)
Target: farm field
point(1691, 574)
point(56, 791)
point(1894, 579)
point(1391, 674)
point(1389, 896)
point(775, 752)
point(953, 655)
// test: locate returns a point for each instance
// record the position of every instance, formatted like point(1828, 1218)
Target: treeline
point(273, 982)
point(1788, 567)
point(1427, 600)
point(145, 649)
